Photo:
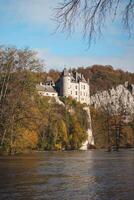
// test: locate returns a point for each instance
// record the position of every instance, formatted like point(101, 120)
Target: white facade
point(47, 94)
point(75, 86)
point(46, 90)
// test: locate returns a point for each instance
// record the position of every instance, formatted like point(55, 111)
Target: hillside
point(105, 77)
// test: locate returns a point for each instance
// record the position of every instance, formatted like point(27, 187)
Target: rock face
point(121, 96)
point(90, 139)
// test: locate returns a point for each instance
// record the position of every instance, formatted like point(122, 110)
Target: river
point(72, 175)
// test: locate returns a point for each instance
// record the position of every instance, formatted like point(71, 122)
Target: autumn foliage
point(31, 122)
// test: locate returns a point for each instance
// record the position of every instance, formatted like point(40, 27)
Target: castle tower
point(66, 79)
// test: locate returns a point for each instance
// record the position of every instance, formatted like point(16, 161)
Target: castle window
point(76, 86)
point(76, 92)
point(71, 92)
point(83, 87)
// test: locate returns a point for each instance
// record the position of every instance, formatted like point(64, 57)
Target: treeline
point(27, 120)
point(105, 77)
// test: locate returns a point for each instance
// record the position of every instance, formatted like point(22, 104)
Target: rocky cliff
point(120, 97)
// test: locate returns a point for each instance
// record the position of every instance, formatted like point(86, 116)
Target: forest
point(31, 122)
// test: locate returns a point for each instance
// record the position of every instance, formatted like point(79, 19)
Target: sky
point(29, 23)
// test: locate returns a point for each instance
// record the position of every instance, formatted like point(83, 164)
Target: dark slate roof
point(45, 88)
point(75, 77)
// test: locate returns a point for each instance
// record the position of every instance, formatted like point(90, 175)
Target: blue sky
point(27, 23)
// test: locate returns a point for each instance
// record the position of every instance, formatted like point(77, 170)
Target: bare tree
point(93, 14)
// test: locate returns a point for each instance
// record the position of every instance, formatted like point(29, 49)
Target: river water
point(72, 175)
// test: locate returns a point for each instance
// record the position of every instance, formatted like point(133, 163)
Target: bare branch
point(92, 14)
point(128, 16)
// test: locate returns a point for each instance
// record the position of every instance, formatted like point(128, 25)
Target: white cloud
point(124, 62)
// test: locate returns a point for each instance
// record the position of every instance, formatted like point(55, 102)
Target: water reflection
point(77, 175)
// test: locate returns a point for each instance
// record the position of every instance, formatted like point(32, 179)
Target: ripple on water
point(76, 175)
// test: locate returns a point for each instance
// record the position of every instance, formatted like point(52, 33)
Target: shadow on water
point(75, 175)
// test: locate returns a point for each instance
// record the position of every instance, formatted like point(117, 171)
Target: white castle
point(74, 85)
